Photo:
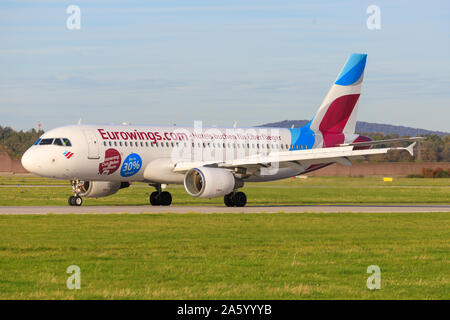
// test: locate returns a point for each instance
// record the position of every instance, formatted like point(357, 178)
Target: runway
point(31, 210)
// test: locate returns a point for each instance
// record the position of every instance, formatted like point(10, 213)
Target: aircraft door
point(93, 147)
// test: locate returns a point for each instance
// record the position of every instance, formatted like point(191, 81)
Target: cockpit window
point(67, 142)
point(37, 141)
point(55, 141)
point(46, 141)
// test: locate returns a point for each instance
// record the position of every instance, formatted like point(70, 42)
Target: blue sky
point(165, 62)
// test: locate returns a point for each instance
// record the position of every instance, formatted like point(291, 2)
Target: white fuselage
point(144, 153)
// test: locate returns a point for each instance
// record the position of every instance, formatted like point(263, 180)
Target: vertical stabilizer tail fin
point(337, 113)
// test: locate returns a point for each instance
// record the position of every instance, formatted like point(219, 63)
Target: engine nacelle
point(98, 189)
point(207, 182)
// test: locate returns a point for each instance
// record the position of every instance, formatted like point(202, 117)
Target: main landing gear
point(235, 199)
point(160, 198)
point(78, 187)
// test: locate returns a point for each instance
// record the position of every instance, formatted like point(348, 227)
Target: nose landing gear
point(235, 199)
point(75, 201)
point(160, 198)
point(78, 187)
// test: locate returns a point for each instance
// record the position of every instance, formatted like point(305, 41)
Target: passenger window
point(57, 142)
point(46, 142)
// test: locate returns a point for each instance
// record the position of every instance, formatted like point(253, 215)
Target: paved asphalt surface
point(220, 209)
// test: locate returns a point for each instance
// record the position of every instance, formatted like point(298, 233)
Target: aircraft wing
point(312, 156)
point(387, 141)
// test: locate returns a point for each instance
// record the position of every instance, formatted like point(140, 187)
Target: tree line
point(15, 143)
point(433, 148)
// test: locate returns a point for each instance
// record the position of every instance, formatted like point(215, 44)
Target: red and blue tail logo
point(337, 113)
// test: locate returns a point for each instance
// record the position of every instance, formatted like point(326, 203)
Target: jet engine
point(207, 182)
point(98, 189)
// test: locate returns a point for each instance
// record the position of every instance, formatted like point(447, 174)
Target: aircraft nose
point(28, 161)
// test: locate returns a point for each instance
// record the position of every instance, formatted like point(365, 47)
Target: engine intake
point(207, 182)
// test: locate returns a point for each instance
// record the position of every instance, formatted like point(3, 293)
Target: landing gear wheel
point(238, 199)
point(155, 199)
point(166, 198)
point(75, 201)
point(160, 198)
point(78, 201)
point(227, 200)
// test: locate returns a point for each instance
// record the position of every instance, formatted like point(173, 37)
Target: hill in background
point(366, 127)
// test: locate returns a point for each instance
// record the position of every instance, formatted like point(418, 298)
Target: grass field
point(226, 256)
point(230, 256)
point(324, 190)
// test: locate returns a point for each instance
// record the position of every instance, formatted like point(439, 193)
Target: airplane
point(99, 160)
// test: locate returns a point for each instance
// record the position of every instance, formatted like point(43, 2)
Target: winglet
point(410, 148)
